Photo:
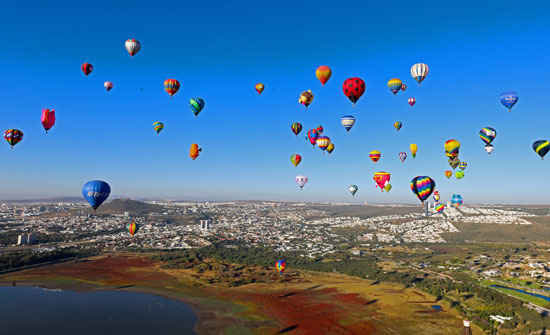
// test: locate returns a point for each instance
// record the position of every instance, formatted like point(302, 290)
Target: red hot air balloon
point(412, 101)
point(87, 68)
point(353, 89)
point(171, 86)
point(48, 118)
point(382, 179)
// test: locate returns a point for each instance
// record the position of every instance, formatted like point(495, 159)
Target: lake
point(33, 310)
point(522, 291)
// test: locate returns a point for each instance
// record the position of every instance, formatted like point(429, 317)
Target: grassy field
point(299, 302)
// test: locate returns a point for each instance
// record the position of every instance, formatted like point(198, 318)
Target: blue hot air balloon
point(509, 99)
point(96, 192)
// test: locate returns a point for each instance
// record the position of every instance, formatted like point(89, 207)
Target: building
point(26, 239)
point(205, 224)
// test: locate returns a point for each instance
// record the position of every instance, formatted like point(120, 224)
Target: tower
point(466, 330)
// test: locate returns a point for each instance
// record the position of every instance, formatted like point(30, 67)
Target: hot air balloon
point(348, 121)
point(319, 130)
point(132, 46)
point(158, 126)
point(295, 159)
point(330, 148)
point(132, 228)
point(296, 128)
point(259, 88)
point(323, 73)
point(451, 148)
point(489, 148)
point(448, 174)
point(414, 149)
point(453, 162)
point(541, 147)
point(171, 86)
point(196, 105)
point(353, 189)
point(306, 98)
point(48, 119)
point(509, 99)
point(301, 180)
point(439, 207)
point(13, 136)
point(375, 155)
point(108, 85)
point(422, 187)
point(387, 187)
point(194, 151)
point(323, 142)
point(312, 135)
point(462, 165)
point(96, 192)
point(353, 89)
point(419, 72)
point(397, 125)
point(402, 156)
point(412, 101)
point(459, 174)
point(281, 266)
point(382, 179)
point(456, 200)
point(487, 135)
point(87, 68)
point(395, 85)
point(436, 196)
point(403, 87)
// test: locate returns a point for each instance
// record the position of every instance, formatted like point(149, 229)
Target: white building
point(205, 224)
point(26, 239)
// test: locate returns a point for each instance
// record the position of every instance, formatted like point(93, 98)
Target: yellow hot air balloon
point(330, 148)
point(451, 148)
point(323, 73)
point(395, 85)
point(414, 149)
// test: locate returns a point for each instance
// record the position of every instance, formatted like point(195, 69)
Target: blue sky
point(220, 50)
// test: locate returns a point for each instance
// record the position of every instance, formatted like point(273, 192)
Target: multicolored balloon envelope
point(158, 126)
point(353, 89)
point(194, 151)
point(96, 192)
point(132, 228)
point(196, 105)
point(323, 142)
point(422, 187)
point(330, 148)
point(402, 156)
point(459, 174)
point(281, 266)
point(295, 159)
point(439, 207)
point(306, 98)
point(132, 46)
point(87, 68)
point(403, 87)
point(487, 135)
point(414, 149)
point(312, 136)
point(48, 119)
point(13, 136)
point(301, 180)
point(375, 155)
point(456, 200)
point(451, 148)
point(397, 125)
point(462, 165)
point(319, 129)
point(412, 101)
point(541, 147)
point(436, 196)
point(395, 85)
point(259, 88)
point(453, 162)
point(171, 86)
point(419, 72)
point(509, 99)
point(353, 189)
point(323, 73)
point(382, 179)
point(296, 128)
point(348, 121)
point(448, 174)
point(108, 85)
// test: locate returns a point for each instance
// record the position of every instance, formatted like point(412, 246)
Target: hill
point(119, 206)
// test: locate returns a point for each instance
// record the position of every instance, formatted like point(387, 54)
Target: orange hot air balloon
point(260, 88)
point(171, 86)
point(194, 152)
point(448, 174)
point(323, 73)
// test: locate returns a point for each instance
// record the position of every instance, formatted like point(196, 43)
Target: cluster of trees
point(19, 259)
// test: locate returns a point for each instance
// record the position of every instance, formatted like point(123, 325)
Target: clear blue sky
point(219, 50)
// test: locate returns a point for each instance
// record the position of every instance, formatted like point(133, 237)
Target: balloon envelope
point(132, 228)
point(296, 128)
point(312, 135)
point(301, 180)
point(158, 126)
point(96, 192)
point(353, 189)
point(412, 101)
point(295, 159)
point(330, 148)
point(448, 174)
point(395, 85)
point(419, 72)
point(48, 119)
point(509, 99)
point(353, 89)
point(281, 266)
point(436, 196)
point(456, 200)
point(402, 156)
point(487, 134)
point(439, 207)
point(194, 151)
point(451, 148)
point(375, 155)
point(541, 147)
point(323, 73)
point(171, 86)
point(397, 125)
point(132, 46)
point(414, 149)
point(348, 121)
point(108, 85)
point(382, 179)
point(196, 105)
point(306, 98)
point(323, 142)
point(422, 187)
point(13, 136)
point(87, 68)
point(259, 88)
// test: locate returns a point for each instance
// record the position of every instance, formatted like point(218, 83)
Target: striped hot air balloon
point(436, 196)
point(132, 228)
point(395, 85)
point(422, 187)
point(13, 136)
point(296, 128)
point(397, 125)
point(462, 165)
point(439, 207)
point(87, 68)
point(323, 142)
point(348, 121)
point(375, 155)
point(281, 266)
point(419, 72)
point(196, 105)
point(412, 101)
point(158, 126)
point(295, 159)
point(402, 156)
point(171, 86)
point(541, 147)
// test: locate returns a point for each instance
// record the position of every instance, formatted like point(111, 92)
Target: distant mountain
point(119, 206)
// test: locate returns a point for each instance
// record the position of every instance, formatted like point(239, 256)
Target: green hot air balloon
point(353, 189)
point(196, 105)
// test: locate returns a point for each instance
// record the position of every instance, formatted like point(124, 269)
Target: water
point(32, 310)
point(522, 291)
point(438, 308)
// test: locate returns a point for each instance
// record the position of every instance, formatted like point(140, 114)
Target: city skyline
point(475, 53)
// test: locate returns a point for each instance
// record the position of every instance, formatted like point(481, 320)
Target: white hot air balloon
point(132, 46)
point(489, 148)
point(301, 180)
point(353, 189)
point(108, 85)
point(419, 71)
point(348, 121)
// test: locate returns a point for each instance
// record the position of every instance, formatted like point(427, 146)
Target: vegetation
point(15, 260)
